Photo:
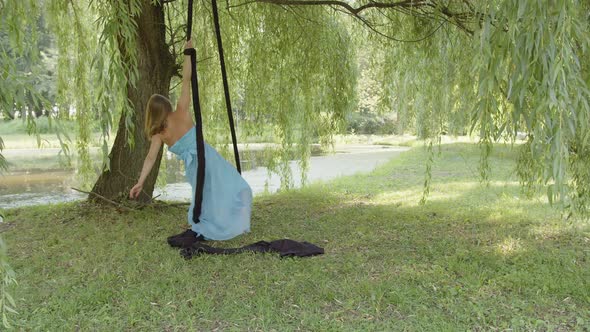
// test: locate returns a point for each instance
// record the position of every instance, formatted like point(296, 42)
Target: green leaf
point(10, 299)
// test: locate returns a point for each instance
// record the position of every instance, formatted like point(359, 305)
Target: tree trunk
point(156, 67)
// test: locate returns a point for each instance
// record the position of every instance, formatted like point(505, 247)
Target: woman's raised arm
point(185, 92)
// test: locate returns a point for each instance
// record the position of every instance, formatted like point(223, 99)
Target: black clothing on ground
point(285, 247)
point(185, 239)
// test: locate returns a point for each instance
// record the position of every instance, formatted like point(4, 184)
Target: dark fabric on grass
point(285, 247)
point(185, 239)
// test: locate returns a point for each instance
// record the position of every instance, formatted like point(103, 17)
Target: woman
point(227, 197)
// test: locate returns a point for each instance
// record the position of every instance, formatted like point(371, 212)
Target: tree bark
point(156, 66)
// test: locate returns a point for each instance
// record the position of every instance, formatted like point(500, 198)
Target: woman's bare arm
point(150, 159)
point(148, 164)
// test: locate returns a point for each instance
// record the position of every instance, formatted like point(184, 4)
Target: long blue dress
point(227, 197)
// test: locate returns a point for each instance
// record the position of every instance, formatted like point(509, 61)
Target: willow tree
point(114, 72)
point(519, 67)
point(495, 67)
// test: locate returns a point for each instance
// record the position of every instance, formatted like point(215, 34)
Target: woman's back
point(178, 124)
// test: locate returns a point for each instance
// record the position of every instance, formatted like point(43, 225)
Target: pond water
point(23, 188)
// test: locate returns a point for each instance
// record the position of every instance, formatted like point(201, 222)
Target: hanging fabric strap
point(198, 121)
point(225, 85)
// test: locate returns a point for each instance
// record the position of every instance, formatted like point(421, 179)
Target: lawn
point(474, 257)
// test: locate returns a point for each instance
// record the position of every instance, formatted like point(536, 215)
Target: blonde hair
point(157, 110)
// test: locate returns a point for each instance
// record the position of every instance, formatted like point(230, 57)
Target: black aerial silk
point(197, 107)
point(285, 247)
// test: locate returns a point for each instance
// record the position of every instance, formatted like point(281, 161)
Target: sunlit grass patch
point(510, 246)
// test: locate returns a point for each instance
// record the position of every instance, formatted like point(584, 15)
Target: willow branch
point(429, 9)
point(349, 8)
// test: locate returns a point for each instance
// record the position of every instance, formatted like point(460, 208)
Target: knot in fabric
point(188, 156)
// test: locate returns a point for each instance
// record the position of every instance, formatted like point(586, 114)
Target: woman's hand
point(189, 44)
point(136, 190)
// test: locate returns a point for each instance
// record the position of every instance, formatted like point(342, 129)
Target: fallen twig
point(176, 204)
point(104, 199)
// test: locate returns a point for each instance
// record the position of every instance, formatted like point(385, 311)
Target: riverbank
point(474, 257)
point(43, 186)
point(42, 175)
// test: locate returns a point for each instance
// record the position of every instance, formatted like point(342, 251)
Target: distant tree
point(32, 68)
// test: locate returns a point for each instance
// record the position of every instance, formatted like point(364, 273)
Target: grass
point(15, 135)
point(474, 257)
point(42, 125)
point(47, 160)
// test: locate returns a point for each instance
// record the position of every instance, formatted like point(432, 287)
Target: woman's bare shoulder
point(182, 110)
point(182, 114)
